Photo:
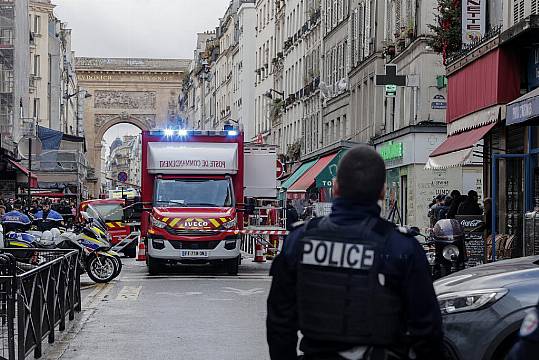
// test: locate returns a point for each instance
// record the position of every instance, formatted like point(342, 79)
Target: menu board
point(475, 242)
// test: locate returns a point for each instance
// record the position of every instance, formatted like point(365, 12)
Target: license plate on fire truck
point(194, 253)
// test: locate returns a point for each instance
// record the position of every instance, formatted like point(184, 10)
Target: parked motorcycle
point(444, 247)
point(93, 241)
point(90, 238)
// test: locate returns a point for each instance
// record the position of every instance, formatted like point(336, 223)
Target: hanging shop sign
point(473, 20)
point(392, 151)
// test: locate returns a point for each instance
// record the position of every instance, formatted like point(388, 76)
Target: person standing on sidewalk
point(352, 283)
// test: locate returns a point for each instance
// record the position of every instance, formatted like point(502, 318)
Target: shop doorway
point(404, 199)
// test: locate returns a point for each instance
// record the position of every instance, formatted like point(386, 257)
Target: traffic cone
point(141, 250)
point(259, 253)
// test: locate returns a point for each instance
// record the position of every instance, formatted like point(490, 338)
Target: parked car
point(483, 307)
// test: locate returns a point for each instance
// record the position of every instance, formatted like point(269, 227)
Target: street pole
point(29, 172)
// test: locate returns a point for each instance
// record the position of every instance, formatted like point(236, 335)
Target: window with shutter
point(535, 7)
point(397, 8)
point(361, 27)
point(346, 7)
point(367, 27)
point(335, 13)
point(341, 8)
point(357, 35)
point(352, 37)
point(334, 56)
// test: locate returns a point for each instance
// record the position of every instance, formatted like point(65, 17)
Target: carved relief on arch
point(110, 99)
point(101, 120)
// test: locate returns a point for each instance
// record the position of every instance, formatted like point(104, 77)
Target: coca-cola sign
point(470, 223)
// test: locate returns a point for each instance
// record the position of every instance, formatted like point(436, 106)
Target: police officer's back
point(350, 282)
point(16, 220)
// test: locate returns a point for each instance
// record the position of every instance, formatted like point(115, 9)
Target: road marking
point(129, 293)
point(189, 293)
point(142, 279)
point(241, 292)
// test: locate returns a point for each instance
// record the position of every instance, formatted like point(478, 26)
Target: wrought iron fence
point(36, 299)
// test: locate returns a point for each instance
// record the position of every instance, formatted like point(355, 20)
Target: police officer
point(48, 218)
point(353, 284)
point(16, 220)
point(527, 348)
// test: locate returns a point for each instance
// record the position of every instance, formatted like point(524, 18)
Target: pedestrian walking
point(444, 207)
point(470, 206)
point(433, 209)
point(352, 283)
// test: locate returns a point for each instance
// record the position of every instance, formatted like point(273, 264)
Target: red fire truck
point(192, 188)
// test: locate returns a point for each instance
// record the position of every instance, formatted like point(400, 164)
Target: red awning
point(25, 171)
point(457, 149)
point(308, 179)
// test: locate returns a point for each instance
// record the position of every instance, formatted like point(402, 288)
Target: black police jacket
point(405, 266)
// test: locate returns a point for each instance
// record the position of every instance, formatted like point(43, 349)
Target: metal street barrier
point(36, 299)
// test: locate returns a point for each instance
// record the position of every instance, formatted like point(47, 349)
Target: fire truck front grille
point(183, 232)
point(194, 245)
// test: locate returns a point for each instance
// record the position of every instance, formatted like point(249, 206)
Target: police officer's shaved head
point(361, 175)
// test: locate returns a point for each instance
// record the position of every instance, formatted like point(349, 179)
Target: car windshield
point(198, 193)
point(109, 212)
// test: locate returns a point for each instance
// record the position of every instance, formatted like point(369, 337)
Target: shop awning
point(309, 178)
point(524, 108)
point(457, 149)
point(26, 172)
point(328, 174)
point(297, 174)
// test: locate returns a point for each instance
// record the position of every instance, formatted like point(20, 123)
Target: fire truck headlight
point(232, 132)
point(158, 223)
point(231, 224)
point(182, 132)
point(169, 132)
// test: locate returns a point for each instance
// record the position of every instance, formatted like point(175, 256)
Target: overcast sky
point(138, 28)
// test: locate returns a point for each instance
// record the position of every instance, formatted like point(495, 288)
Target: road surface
point(186, 315)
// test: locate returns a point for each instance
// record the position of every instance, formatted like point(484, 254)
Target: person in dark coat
point(302, 293)
point(444, 208)
point(457, 200)
point(292, 216)
point(471, 205)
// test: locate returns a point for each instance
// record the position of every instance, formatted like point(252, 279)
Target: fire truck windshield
point(194, 192)
point(109, 212)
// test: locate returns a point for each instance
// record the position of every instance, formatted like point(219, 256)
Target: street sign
point(390, 77)
point(391, 90)
point(279, 169)
point(122, 176)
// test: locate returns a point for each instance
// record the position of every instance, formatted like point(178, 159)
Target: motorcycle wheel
point(101, 269)
point(119, 266)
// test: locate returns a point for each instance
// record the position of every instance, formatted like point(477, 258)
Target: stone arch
point(102, 125)
point(102, 128)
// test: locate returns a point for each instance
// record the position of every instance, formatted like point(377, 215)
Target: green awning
point(296, 175)
point(326, 176)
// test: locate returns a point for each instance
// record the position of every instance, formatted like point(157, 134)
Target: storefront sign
point(392, 151)
point(327, 176)
point(524, 110)
point(475, 243)
point(473, 20)
point(438, 102)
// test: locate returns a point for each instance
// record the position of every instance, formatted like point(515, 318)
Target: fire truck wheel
point(232, 266)
point(154, 266)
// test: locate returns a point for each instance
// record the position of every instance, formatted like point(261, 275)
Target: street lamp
point(269, 95)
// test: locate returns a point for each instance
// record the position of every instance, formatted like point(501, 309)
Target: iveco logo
point(196, 223)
